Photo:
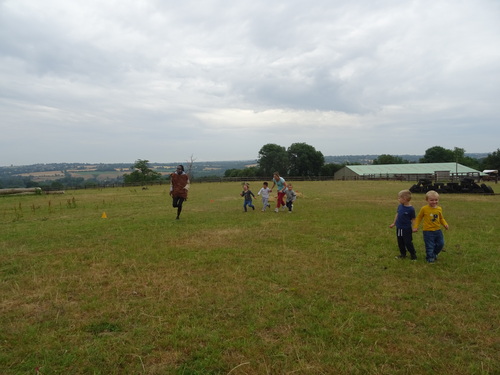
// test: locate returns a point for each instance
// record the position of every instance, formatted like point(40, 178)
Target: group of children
point(406, 222)
point(285, 190)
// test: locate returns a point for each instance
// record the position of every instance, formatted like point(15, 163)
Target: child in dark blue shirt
point(403, 221)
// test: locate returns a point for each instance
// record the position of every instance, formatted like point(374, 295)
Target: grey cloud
point(143, 69)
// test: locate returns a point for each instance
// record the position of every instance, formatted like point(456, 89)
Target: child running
point(281, 184)
point(247, 194)
point(290, 197)
point(264, 192)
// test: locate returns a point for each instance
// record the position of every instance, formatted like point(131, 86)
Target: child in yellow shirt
point(433, 219)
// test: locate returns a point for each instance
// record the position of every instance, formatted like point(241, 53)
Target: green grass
point(221, 291)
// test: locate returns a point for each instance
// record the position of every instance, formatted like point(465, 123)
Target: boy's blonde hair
point(431, 193)
point(405, 194)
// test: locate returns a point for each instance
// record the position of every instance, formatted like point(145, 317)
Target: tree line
point(303, 160)
point(298, 160)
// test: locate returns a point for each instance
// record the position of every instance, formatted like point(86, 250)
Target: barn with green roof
point(406, 172)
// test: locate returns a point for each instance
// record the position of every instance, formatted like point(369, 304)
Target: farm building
point(406, 172)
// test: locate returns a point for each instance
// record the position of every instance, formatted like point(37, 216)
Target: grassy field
point(226, 292)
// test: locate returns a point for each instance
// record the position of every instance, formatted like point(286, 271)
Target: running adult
point(179, 186)
point(281, 185)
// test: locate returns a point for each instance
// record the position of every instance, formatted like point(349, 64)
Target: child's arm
point(418, 219)
point(444, 222)
point(284, 187)
point(394, 222)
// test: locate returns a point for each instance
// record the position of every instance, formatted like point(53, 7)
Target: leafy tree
point(470, 162)
point(459, 154)
point(492, 161)
point(305, 160)
point(233, 172)
point(329, 169)
point(438, 154)
point(465, 160)
point(56, 185)
point(142, 173)
point(91, 183)
point(251, 172)
point(31, 184)
point(389, 159)
point(272, 158)
point(246, 172)
point(69, 181)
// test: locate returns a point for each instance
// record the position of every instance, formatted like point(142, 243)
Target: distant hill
point(365, 159)
point(115, 171)
point(368, 159)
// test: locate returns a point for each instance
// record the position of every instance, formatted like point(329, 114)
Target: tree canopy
point(389, 159)
point(304, 160)
point(438, 154)
point(492, 161)
point(272, 158)
point(142, 173)
point(300, 159)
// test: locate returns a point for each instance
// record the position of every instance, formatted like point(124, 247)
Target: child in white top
point(264, 192)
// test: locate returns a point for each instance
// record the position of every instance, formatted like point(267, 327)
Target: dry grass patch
point(213, 238)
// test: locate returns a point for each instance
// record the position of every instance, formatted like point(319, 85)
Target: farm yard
point(221, 291)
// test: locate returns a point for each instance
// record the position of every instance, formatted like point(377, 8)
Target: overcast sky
point(120, 80)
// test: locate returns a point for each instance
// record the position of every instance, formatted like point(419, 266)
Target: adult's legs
point(177, 203)
point(280, 201)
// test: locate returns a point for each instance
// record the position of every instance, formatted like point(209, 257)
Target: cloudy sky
point(120, 80)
